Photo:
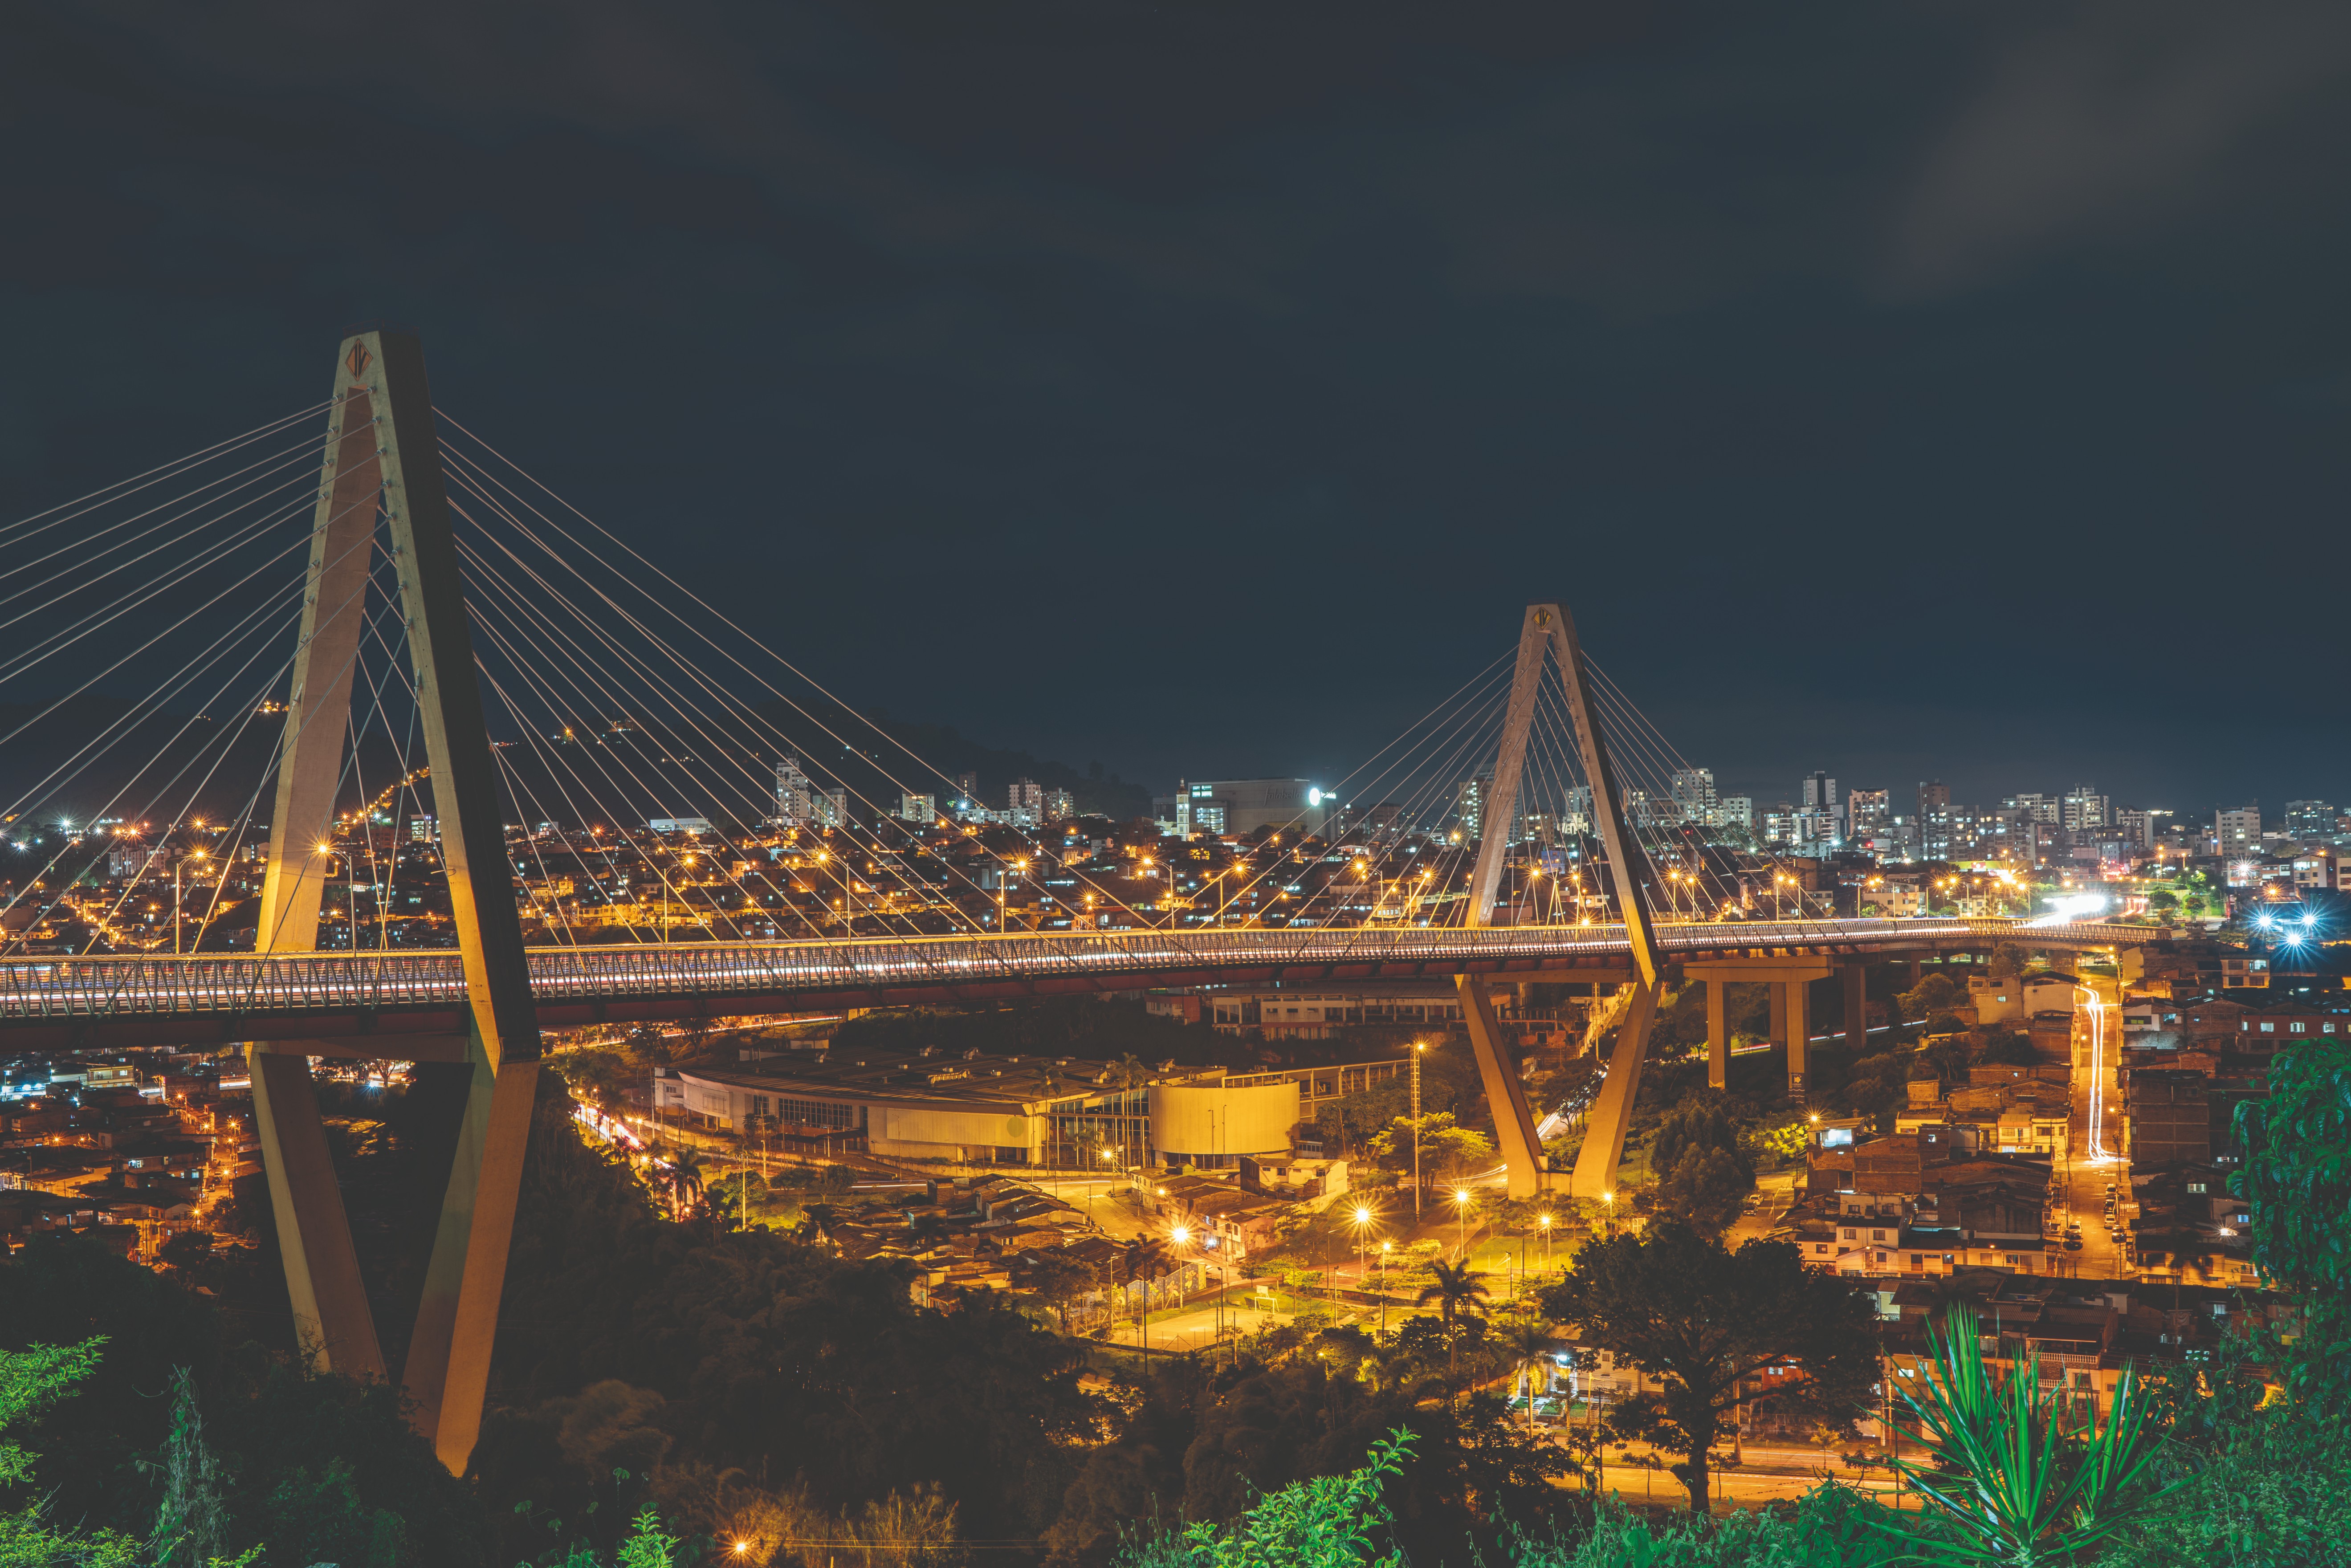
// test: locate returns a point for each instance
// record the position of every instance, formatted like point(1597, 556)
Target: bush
point(1830, 1527)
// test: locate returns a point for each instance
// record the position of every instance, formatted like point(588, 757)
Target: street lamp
point(1462, 1209)
point(1362, 1222)
point(1542, 1222)
point(1182, 1237)
point(179, 867)
point(1386, 1247)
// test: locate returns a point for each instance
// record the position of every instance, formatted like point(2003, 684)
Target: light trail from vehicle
point(2097, 1011)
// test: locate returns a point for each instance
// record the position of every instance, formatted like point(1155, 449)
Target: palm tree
point(686, 1181)
point(1454, 1289)
point(1528, 1340)
point(1128, 1071)
point(1146, 1259)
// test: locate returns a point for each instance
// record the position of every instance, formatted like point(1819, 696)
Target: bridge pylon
point(1546, 635)
point(383, 457)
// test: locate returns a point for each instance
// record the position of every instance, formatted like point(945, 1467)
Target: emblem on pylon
point(359, 361)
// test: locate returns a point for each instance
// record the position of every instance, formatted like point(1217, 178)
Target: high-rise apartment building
point(2037, 808)
point(922, 809)
point(1469, 806)
point(1934, 819)
point(1820, 792)
point(1735, 811)
point(2084, 809)
point(2237, 832)
point(1867, 811)
point(2311, 819)
point(796, 794)
point(1693, 791)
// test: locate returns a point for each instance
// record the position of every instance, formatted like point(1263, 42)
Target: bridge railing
point(47, 987)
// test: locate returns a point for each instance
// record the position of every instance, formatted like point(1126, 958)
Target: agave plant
point(2009, 1485)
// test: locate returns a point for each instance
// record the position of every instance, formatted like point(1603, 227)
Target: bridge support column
point(1612, 1111)
point(1857, 1007)
point(1800, 1032)
point(1785, 979)
point(1506, 1093)
point(1718, 1035)
point(332, 1322)
point(448, 1370)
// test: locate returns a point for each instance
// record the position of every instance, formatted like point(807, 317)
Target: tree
point(1879, 1084)
point(1060, 1279)
point(1129, 1074)
point(30, 1381)
point(1705, 1191)
point(1528, 1340)
point(190, 1252)
point(2008, 960)
point(1702, 1319)
point(1456, 1291)
point(1935, 999)
point(1702, 1119)
point(686, 1180)
point(2296, 1184)
point(1949, 1055)
point(1443, 1146)
point(2006, 1048)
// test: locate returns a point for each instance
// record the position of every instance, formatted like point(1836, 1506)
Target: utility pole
point(1418, 1047)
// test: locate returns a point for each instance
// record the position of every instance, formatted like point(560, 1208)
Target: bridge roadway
point(414, 1003)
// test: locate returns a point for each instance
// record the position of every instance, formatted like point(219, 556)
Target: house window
point(2080, 1380)
point(2268, 1028)
point(1918, 1260)
point(1850, 1233)
point(1820, 1247)
point(2015, 1260)
point(2294, 1029)
point(2196, 1187)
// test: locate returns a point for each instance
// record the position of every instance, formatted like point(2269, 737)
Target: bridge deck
point(48, 1003)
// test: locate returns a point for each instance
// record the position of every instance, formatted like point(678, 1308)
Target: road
point(2095, 1137)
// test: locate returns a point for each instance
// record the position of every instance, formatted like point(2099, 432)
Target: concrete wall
point(940, 1134)
point(1210, 1119)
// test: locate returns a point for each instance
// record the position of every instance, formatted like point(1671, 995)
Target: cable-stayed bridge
point(370, 1004)
point(421, 759)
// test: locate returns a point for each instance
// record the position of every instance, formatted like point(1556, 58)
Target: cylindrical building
point(1214, 1124)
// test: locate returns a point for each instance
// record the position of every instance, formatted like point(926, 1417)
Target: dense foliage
point(320, 1469)
point(1705, 1321)
point(2296, 1183)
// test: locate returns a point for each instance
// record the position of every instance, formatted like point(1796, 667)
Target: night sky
point(1201, 388)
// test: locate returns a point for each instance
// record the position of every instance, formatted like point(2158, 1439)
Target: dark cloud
point(2113, 121)
point(1201, 388)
